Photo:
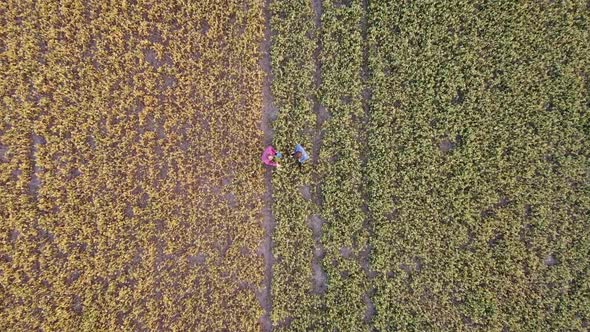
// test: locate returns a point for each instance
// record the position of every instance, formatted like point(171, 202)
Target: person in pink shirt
point(269, 155)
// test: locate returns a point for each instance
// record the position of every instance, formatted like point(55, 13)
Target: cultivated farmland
point(479, 188)
point(448, 187)
point(124, 204)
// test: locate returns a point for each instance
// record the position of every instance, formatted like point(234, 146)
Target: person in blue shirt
point(300, 154)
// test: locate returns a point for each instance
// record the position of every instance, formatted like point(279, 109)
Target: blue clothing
point(304, 156)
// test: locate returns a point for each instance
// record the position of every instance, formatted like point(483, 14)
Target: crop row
point(345, 236)
point(125, 199)
point(293, 43)
point(478, 165)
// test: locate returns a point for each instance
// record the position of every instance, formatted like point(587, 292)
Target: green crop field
point(448, 187)
point(479, 183)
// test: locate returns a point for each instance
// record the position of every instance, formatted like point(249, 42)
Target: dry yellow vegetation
point(125, 199)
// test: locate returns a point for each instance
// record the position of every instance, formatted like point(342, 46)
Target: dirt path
point(35, 182)
point(269, 113)
point(316, 222)
point(320, 111)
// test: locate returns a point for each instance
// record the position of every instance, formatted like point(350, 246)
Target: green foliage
point(344, 237)
point(478, 165)
point(292, 87)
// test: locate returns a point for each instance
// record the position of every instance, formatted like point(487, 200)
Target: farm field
point(122, 203)
point(479, 166)
point(448, 187)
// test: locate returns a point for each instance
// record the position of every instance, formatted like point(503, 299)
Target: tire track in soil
point(269, 114)
point(35, 182)
point(366, 97)
point(316, 222)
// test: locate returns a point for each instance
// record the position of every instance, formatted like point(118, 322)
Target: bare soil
point(35, 182)
point(320, 111)
point(319, 275)
point(3, 151)
point(320, 285)
point(269, 113)
point(550, 260)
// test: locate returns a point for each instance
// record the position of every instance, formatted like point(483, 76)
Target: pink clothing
point(269, 151)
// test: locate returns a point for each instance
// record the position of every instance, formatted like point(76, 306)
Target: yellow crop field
point(125, 202)
point(294, 165)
